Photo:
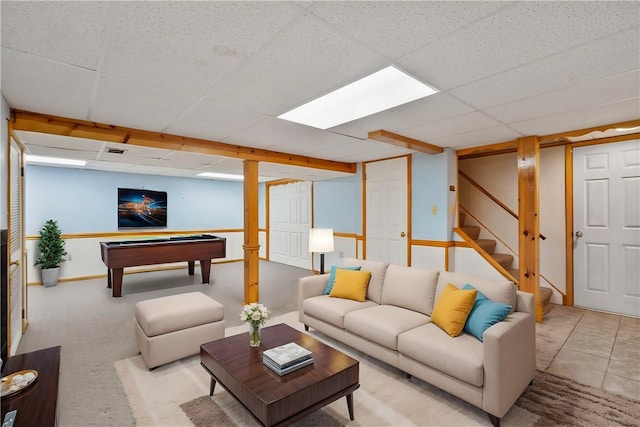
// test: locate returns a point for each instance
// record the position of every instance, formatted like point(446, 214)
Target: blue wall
point(337, 204)
point(85, 201)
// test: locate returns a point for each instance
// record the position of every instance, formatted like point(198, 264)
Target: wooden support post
point(251, 244)
point(529, 223)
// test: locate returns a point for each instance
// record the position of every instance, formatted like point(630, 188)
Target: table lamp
point(321, 241)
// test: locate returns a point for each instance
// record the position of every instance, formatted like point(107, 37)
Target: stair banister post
point(529, 218)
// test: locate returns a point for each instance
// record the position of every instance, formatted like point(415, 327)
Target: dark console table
point(37, 405)
point(203, 248)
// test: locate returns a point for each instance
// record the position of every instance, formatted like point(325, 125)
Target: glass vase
point(254, 334)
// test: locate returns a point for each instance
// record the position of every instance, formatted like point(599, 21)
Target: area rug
point(176, 394)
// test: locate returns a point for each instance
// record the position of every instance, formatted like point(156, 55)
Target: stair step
point(487, 245)
point(461, 217)
point(473, 231)
point(505, 260)
point(515, 273)
point(545, 295)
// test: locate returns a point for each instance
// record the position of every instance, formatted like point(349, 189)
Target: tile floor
point(602, 350)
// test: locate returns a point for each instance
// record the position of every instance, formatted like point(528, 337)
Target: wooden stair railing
point(492, 197)
point(501, 262)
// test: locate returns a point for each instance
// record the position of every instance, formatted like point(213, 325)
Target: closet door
point(17, 298)
point(289, 224)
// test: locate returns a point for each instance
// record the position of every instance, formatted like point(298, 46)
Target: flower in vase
point(255, 313)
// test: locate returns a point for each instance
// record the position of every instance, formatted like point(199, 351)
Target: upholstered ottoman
point(170, 328)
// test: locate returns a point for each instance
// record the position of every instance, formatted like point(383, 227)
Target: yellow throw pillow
point(351, 284)
point(452, 309)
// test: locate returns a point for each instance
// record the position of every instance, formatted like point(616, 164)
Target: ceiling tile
point(213, 121)
point(589, 94)
point(270, 132)
point(477, 138)
point(189, 46)
point(528, 31)
point(396, 28)
point(132, 104)
point(280, 171)
point(621, 111)
point(609, 56)
point(304, 61)
point(78, 28)
point(315, 142)
point(453, 126)
point(195, 159)
point(59, 141)
point(36, 84)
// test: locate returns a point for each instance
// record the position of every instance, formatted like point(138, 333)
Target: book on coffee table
point(286, 355)
point(282, 371)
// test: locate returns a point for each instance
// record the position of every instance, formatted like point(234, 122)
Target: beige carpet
point(176, 394)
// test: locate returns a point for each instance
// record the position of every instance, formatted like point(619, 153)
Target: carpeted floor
point(95, 330)
point(385, 398)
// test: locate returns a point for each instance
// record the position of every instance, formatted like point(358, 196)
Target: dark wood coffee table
point(273, 399)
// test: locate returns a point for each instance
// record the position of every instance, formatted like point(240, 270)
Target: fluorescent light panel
point(221, 176)
point(377, 92)
point(31, 158)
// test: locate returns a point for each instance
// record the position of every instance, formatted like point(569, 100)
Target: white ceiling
point(224, 71)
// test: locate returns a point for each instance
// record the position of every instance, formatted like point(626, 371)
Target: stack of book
point(287, 358)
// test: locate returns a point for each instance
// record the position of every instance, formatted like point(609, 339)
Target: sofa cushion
point(351, 284)
point(377, 269)
point(484, 314)
point(332, 277)
point(452, 309)
point(332, 310)
point(410, 287)
point(500, 290)
point(460, 358)
point(382, 324)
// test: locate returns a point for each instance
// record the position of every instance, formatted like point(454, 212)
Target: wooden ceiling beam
point(404, 141)
point(560, 138)
point(43, 123)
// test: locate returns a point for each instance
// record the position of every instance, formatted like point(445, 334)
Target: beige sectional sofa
point(393, 324)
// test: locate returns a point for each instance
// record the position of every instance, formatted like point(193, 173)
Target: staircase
point(488, 246)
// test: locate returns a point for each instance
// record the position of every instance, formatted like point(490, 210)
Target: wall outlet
point(341, 254)
point(68, 256)
point(434, 210)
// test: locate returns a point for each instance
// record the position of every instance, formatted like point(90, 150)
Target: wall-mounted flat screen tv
point(141, 208)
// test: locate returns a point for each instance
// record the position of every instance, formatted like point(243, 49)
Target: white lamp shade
point(321, 240)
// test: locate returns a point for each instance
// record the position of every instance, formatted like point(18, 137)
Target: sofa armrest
point(525, 302)
point(509, 349)
point(310, 286)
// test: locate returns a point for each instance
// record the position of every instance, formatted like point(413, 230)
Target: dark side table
point(37, 405)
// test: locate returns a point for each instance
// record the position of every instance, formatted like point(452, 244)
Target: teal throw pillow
point(485, 313)
point(332, 276)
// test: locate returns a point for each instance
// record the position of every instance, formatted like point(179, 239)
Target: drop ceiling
point(224, 71)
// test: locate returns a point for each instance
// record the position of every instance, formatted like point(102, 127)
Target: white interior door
point(17, 279)
point(386, 211)
point(289, 224)
point(606, 191)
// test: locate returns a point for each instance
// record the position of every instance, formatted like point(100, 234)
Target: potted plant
point(52, 253)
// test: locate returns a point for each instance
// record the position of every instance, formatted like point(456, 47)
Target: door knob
point(402, 234)
point(579, 234)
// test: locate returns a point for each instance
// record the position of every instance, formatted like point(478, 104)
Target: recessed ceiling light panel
point(221, 176)
point(31, 158)
point(377, 92)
